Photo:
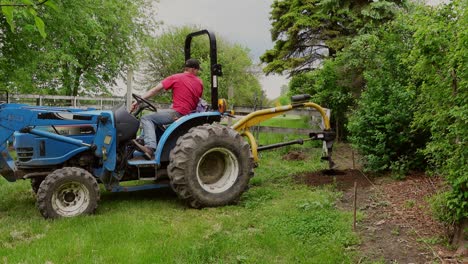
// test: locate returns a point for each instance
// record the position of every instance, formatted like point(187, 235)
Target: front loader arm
point(23, 118)
point(10, 120)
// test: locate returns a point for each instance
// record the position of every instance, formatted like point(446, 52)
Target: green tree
point(25, 8)
point(284, 89)
point(415, 99)
point(307, 31)
point(87, 46)
point(166, 57)
point(439, 62)
point(330, 87)
point(381, 126)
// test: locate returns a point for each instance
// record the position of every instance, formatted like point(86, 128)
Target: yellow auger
point(326, 135)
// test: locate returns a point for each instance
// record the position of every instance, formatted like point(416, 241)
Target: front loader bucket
point(7, 164)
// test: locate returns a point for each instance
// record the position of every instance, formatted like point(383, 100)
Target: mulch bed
point(398, 226)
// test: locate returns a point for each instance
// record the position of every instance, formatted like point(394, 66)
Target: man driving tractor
point(187, 88)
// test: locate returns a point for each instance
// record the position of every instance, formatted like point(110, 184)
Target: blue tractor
point(68, 152)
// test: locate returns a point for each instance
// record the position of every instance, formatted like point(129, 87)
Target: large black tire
point(210, 166)
point(68, 192)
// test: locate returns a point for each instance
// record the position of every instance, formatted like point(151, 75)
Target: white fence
point(72, 101)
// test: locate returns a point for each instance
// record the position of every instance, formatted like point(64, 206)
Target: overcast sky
point(245, 22)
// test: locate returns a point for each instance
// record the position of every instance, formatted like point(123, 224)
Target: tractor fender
point(181, 126)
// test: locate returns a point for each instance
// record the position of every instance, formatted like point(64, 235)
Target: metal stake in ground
point(354, 205)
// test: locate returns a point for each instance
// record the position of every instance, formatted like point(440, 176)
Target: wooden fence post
point(129, 87)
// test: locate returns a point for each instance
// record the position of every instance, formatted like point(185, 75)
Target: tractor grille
point(24, 154)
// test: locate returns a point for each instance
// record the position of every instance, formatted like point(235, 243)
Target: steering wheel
point(144, 103)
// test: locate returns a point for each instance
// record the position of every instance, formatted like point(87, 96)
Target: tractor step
point(138, 187)
point(141, 162)
point(148, 179)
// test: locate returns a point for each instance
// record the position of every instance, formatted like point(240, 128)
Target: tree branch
point(24, 5)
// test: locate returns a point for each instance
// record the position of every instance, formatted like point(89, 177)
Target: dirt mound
point(341, 179)
point(295, 155)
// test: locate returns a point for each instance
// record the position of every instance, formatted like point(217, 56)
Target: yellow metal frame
point(243, 125)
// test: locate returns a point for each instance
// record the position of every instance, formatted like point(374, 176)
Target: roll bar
point(215, 68)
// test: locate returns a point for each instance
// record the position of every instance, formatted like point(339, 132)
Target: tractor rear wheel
point(68, 192)
point(210, 166)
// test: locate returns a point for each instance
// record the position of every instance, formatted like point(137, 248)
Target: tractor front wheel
point(35, 183)
point(210, 166)
point(68, 192)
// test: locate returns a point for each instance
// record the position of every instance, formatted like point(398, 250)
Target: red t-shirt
point(187, 88)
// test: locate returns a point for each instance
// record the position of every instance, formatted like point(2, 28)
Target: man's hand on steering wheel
point(143, 103)
point(134, 107)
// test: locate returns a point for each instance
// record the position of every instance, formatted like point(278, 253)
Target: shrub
point(439, 72)
point(380, 126)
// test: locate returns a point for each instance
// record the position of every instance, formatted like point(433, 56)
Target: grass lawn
point(290, 121)
point(276, 221)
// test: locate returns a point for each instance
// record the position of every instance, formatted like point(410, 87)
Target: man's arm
point(153, 91)
point(150, 93)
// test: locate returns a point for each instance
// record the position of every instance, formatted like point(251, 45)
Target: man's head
point(192, 64)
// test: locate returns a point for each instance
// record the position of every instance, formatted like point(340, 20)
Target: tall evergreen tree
point(307, 31)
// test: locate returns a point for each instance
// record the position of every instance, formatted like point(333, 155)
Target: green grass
point(276, 221)
point(290, 121)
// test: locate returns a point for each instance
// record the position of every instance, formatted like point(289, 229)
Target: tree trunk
point(337, 129)
point(76, 82)
point(66, 79)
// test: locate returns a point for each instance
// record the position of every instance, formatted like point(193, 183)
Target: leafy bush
point(400, 168)
point(441, 210)
point(380, 127)
point(439, 72)
point(332, 87)
point(415, 103)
